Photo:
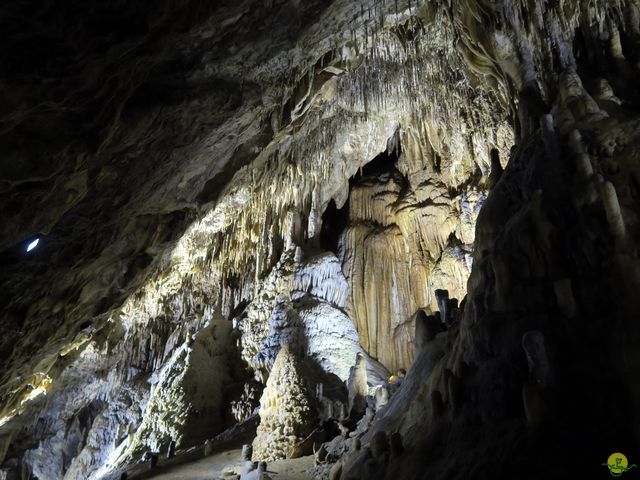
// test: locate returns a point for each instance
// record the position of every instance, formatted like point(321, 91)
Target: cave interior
point(319, 239)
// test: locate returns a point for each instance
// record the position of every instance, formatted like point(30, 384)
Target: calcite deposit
point(401, 234)
point(286, 409)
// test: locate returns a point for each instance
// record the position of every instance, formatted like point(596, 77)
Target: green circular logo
point(618, 464)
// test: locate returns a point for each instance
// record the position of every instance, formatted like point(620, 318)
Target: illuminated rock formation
point(208, 181)
point(286, 410)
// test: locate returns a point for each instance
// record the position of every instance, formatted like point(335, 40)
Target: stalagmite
point(379, 444)
point(442, 297)
point(496, 169)
point(612, 208)
point(286, 409)
point(426, 329)
point(575, 142)
point(208, 448)
point(549, 136)
point(583, 165)
point(382, 397)
point(357, 444)
point(453, 312)
point(358, 388)
point(247, 453)
point(336, 471)
point(171, 449)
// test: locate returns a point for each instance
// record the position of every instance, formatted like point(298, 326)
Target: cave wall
point(178, 171)
point(399, 247)
point(528, 374)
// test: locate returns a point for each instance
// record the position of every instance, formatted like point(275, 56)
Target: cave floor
point(213, 466)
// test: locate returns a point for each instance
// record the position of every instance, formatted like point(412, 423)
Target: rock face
point(186, 403)
point(209, 181)
point(286, 410)
point(301, 302)
point(398, 247)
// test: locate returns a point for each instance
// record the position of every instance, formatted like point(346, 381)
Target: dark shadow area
point(334, 221)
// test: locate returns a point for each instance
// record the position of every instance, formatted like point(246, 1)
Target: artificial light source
point(33, 244)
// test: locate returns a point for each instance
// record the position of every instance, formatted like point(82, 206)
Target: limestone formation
point(612, 207)
point(247, 453)
point(442, 298)
point(379, 444)
point(358, 388)
point(286, 409)
point(187, 186)
point(208, 448)
point(564, 295)
point(301, 302)
point(171, 449)
point(496, 169)
point(336, 471)
point(381, 397)
point(539, 368)
point(427, 326)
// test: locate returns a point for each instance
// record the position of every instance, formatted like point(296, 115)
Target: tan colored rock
point(612, 207)
point(286, 411)
point(358, 387)
point(336, 471)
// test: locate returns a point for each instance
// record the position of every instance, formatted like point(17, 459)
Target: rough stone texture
point(187, 398)
point(548, 258)
point(179, 161)
point(301, 302)
point(398, 248)
point(286, 409)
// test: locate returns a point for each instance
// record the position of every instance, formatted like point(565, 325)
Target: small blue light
point(33, 244)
